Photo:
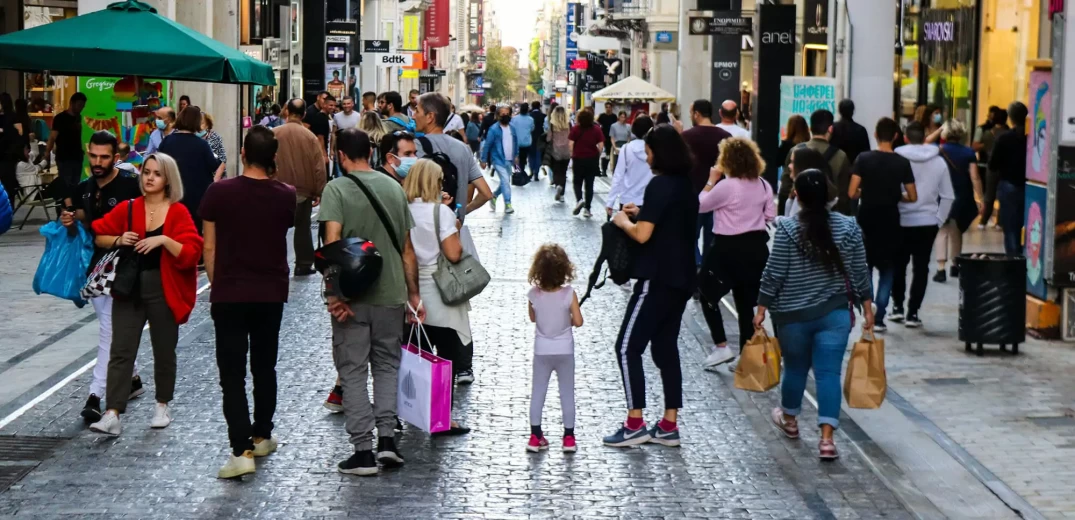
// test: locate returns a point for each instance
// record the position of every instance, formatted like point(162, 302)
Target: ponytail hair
point(812, 188)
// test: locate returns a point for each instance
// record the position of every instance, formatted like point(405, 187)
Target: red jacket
point(179, 275)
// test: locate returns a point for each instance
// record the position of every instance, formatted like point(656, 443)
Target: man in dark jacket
point(537, 147)
point(848, 135)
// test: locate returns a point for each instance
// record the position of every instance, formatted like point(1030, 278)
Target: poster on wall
point(1035, 248)
point(1063, 249)
point(335, 79)
point(802, 95)
point(1038, 140)
point(123, 106)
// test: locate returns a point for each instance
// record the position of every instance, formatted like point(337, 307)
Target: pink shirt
point(738, 205)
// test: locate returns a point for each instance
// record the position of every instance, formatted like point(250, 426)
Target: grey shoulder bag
point(461, 281)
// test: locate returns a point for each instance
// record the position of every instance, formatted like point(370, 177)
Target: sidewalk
point(730, 466)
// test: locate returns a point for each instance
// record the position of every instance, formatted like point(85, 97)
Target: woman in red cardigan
point(163, 232)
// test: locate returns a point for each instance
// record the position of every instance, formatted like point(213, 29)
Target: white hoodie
point(933, 183)
point(631, 177)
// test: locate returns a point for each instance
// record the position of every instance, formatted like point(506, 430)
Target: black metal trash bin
point(992, 300)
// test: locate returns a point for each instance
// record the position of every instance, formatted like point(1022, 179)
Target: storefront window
point(1010, 33)
point(906, 74)
point(947, 45)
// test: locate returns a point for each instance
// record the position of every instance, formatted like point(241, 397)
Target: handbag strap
point(130, 214)
point(380, 212)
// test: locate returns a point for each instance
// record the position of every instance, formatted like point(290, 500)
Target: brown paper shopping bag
point(759, 363)
point(865, 383)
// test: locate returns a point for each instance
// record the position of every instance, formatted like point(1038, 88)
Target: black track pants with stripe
point(653, 316)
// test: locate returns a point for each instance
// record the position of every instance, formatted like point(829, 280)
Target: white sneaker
point(720, 356)
point(508, 210)
point(265, 447)
point(237, 466)
point(108, 425)
point(492, 205)
point(586, 213)
point(161, 417)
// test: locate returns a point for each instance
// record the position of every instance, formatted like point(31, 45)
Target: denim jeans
point(535, 161)
point(885, 278)
point(1012, 202)
point(705, 226)
point(819, 343)
point(503, 172)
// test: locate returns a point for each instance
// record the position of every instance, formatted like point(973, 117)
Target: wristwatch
point(710, 183)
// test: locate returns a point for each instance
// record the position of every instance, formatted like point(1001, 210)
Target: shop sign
point(374, 45)
point(774, 58)
point(254, 51)
point(816, 22)
point(122, 106)
point(726, 23)
point(336, 52)
point(341, 28)
point(666, 41)
point(437, 24)
point(939, 31)
point(411, 24)
point(408, 73)
point(802, 95)
point(579, 64)
point(475, 21)
point(572, 37)
point(392, 60)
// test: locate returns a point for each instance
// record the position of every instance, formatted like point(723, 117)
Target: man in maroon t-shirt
point(704, 141)
point(246, 220)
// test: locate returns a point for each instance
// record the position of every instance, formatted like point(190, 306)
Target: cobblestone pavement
point(1014, 414)
point(732, 463)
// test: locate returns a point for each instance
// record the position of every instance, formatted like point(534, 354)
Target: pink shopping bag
point(424, 398)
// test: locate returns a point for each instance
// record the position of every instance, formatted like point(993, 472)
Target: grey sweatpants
point(369, 341)
point(544, 366)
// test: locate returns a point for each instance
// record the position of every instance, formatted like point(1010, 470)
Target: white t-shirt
point(506, 138)
point(454, 123)
point(735, 130)
point(424, 236)
point(344, 121)
point(552, 334)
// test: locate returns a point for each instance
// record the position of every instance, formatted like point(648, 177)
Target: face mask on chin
point(505, 119)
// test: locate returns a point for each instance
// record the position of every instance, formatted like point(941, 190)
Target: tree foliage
point(500, 73)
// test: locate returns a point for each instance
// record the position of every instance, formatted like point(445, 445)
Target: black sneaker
point(464, 377)
point(896, 316)
point(387, 454)
point(362, 463)
point(940, 276)
point(953, 271)
point(912, 321)
point(91, 413)
point(304, 271)
point(399, 425)
point(136, 388)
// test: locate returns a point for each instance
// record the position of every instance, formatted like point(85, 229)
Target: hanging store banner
point(411, 30)
point(1036, 247)
point(572, 44)
point(816, 22)
point(774, 58)
point(336, 79)
point(1041, 128)
point(476, 25)
point(802, 95)
point(122, 107)
point(437, 24)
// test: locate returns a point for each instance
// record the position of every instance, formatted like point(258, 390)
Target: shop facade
point(964, 56)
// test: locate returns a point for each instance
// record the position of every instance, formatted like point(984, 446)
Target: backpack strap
point(380, 212)
point(830, 152)
point(427, 146)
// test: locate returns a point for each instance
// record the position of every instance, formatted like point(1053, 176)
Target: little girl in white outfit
point(554, 308)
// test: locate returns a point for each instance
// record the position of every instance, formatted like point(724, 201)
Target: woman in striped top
point(742, 206)
point(817, 271)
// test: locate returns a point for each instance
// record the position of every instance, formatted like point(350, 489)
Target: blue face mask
point(405, 164)
point(937, 118)
point(200, 134)
point(161, 125)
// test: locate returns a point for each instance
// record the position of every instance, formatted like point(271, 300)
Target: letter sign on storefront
point(391, 60)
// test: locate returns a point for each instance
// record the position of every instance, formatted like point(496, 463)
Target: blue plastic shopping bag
point(6, 214)
point(62, 269)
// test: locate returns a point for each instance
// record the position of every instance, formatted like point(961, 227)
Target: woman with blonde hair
point(372, 125)
point(163, 234)
point(446, 327)
point(742, 206)
point(967, 186)
point(558, 149)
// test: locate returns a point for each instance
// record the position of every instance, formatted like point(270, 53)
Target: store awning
point(129, 39)
point(633, 87)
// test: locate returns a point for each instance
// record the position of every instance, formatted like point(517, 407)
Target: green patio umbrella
point(129, 39)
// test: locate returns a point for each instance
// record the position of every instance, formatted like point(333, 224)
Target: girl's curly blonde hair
point(551, 268)
point(740, 158)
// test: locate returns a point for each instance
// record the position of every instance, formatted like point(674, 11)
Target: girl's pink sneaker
point(569, 444)
point(537, 444)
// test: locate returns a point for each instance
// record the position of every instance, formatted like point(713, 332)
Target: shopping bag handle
point(867, 333)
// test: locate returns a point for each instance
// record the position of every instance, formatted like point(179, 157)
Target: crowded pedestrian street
point(951, 420)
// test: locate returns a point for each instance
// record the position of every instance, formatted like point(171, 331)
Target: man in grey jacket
point(919, 221)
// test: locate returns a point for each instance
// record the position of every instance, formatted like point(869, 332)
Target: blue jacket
point(523, 125)
point(493, 146)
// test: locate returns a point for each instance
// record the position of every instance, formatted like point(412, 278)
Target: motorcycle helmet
point(350, 267)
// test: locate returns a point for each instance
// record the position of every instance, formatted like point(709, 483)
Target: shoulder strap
point(830, 152)
point(130, 214)
point(380, 212)
point(948, 160)
point(427, 145)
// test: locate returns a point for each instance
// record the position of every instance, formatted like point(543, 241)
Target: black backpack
point(451, 173)
point(617, 250)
